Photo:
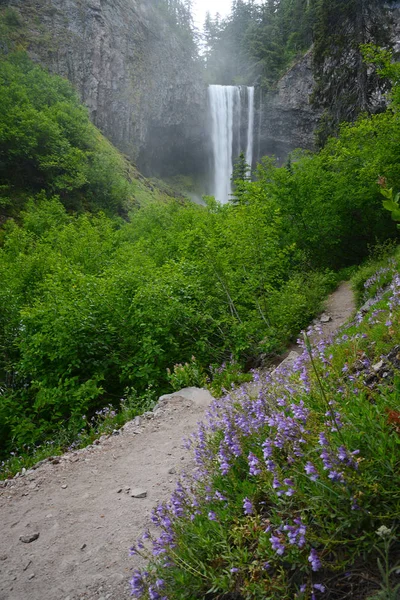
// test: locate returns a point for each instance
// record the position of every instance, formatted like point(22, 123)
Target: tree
point(240, 176)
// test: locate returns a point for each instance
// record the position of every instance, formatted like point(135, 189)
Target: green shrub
point(299, 481)
point(48, 143)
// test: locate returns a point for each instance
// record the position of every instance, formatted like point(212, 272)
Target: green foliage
point(47, 143)
point(374, 268)
point(241, 174)
point(329, 202)
point(91, 305)
point(299, 492)
point(256, 41)
point(391, 203)
point(225, 377)
point(388, 590)
point(187, 375)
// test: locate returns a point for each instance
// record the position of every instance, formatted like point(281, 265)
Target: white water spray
point(226, 133)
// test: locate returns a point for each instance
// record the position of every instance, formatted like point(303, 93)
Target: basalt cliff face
point(131, 68)
point(286, 117)
point(286, 120)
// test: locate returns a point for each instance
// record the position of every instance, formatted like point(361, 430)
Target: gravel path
point(83, 505)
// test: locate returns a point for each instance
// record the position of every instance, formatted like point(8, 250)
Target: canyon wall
point(132, 69)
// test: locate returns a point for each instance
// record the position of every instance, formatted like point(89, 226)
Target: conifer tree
point(240, 175)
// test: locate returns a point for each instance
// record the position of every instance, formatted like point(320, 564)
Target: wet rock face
point(131, 69)
point(288, 121)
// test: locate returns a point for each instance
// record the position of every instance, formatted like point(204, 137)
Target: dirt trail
point(80, 507)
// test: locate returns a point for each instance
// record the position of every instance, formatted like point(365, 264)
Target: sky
point(200, 8)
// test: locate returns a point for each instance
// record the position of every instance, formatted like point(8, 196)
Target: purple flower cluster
point(296, 533)
point(267, 432)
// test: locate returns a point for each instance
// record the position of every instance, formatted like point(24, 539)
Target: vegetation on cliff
point(49, 146)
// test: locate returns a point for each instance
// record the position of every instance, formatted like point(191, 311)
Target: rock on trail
point(90, 506)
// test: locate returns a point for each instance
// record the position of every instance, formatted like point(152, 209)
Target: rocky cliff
point(285, 118)
point(132, 69)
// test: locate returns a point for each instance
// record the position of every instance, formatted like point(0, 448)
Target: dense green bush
point(48, 143)
point(330, 202)
point(91, 306)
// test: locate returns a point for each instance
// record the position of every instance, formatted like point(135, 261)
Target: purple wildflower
point(248, 507)
point(277, 544)
point(267, 449)
point(153, 594)
point(219, 496)
point(311, 471)
point(322, 439)
point(314, 560)
point(137, 585)
point(254, 464)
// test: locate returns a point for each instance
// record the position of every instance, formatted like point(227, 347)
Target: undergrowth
point(296, 493)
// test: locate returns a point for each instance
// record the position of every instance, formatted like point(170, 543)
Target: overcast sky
point(213, 6)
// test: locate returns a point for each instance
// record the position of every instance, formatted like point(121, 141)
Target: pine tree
point(240, 176)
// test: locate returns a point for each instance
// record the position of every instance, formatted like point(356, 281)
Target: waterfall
point(227, 122)
point(239, 118)
point(250, 125)
point(260, 115)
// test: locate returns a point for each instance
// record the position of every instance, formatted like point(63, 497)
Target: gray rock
point(3, 557)
point(287, 362)
point(378, 366)
point(172, 471)
point(138, 493)
point(325, 318)
point(31, 576)
point(64, 486)
point(197, 396)
point(30, 537)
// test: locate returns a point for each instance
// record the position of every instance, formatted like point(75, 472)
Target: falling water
point(227, 121)
point(239, 119)
point(260, 116)
point(250, 125)
point(221, 104)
